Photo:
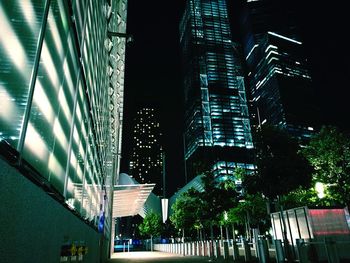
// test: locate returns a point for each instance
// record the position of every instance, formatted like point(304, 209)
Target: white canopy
point(128, 199)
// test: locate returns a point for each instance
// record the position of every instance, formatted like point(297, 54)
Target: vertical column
point(71, 137)
point(33, 80)
point(112, 237)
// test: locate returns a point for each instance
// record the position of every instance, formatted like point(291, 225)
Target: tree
point(250, 212)
point(151, 226)
point(186, 211)
point(195, 210)
point(218, 196)
point(304, 197)
point(329, 154)
point(281, 168)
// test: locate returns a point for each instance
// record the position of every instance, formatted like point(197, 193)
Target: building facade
point(146, 160)
point(61, 96)
point(280, 84)
point(217, 126)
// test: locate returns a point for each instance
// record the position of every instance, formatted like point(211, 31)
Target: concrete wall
point(34, 226)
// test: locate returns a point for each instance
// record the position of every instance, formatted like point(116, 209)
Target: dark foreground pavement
point(158, 257)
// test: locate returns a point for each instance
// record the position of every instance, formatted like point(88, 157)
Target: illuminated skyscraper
point(279, 80)
point(61, 97)
point(217, 127)
point(146, 161)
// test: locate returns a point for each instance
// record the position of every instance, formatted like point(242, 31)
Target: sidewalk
point(159, 257)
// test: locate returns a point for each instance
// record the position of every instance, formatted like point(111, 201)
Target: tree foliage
point(329, 154)
point(195, 210)
point(151, 225)
point(281, 168)
point(252, 209)
point(187, 211)
point(303, 197)
point(217, 197)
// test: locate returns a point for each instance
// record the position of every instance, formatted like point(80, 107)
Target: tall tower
point(279, 80)
point(217, 127)
point(146, 161)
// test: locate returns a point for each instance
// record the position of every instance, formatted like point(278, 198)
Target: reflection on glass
point(18, 43)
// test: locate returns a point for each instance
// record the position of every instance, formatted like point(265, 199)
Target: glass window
point(19, 32)
point(47, 138)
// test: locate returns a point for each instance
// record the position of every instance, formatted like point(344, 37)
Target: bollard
point(217, 249)
point(263, 251)
point(226, 251)
point(302, 255)
point(279, 251)
point(210, 249)
point(247, 252)
point(235, 250)
point(204, 249)
point(331, 250)
point(207, 248)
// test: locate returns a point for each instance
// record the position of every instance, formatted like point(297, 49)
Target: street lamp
point(319, 187)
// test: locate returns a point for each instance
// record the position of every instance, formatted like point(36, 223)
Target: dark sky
point(153, 72)
point(326, 29)
point(153, 75)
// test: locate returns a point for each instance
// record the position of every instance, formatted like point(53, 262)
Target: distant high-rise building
point(217, 127)
point(146, 161)
point(279, 80)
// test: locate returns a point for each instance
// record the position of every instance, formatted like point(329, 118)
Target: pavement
point(157, 257)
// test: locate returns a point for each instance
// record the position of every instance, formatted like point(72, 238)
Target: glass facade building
point(61, 95)
point(279, 79)
point(217, 127)
point(146, 160)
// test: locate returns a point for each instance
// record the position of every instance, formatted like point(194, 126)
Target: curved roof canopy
point(129, 196)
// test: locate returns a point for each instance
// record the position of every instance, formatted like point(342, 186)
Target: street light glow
point(319, 187)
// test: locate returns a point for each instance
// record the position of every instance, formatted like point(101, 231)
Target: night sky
point(153, 72)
